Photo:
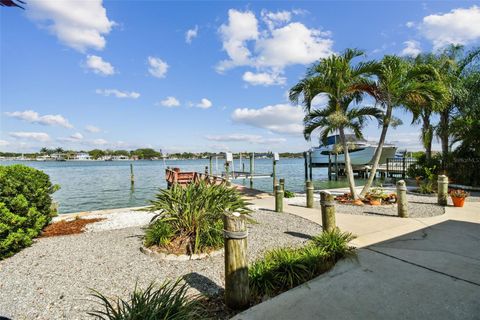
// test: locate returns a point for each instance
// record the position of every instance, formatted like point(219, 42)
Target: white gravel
point(418, 206)
point(120, 220)
point(51, 279)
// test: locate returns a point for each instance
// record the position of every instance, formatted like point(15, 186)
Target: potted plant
point(375, 196)
point(458, 197)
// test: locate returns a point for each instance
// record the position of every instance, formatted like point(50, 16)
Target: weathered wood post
point(442, 190)
point(274, 174)
point(210, 168)
point(327, 204)
point(329, 166)
point(132, 176)
point(252, 159)
point(282, 184)
point(309, 187)
point(402, 203)
point(237, 291)
point(306, 165)
point(227, 173)
point(310, 162)
point(278, 198)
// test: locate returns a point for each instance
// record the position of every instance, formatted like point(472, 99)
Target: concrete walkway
point(425, 268)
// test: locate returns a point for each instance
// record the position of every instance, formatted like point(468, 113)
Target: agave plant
point(193, 213)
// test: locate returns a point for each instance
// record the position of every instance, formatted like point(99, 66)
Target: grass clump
point(285, 268)
point(289, 194)
point(167, 302)
point(190, 218)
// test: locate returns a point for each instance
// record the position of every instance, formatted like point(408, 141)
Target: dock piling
point(252, 168)
point(278, 198)
point(309, 187)
point(402, 203)
point(442, 190)
point(132, 176)
point(327, 204)
point(237, 293)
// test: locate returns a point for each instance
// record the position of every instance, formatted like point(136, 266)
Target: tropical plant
point(289, 194)
point(344, 85)
point(167, 302)
point(400, 84)
point(458, 193)
point(284, 268)
point(193, 215)
point(25, 206)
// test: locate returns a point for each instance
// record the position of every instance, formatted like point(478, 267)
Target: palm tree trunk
point(444, 119)
point(427, 135)
point(348, 164)
point(378, 152)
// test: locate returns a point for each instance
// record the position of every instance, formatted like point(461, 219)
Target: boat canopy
point(331, 140)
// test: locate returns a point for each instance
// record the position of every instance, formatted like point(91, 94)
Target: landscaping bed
point(52, 278)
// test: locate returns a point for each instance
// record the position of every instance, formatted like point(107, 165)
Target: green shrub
point(289, 194)
point(285, 268)
point(195, 213)
point(25, 206)
point(168, 302)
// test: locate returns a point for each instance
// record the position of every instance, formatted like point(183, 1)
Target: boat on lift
point(361, 152)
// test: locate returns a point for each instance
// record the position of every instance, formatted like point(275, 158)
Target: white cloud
point(99, 142)
point(190, 34)
point(273, 19)
point(99, 66)
point(4, 143)
point(280, 118)
point(170, 102)
point(92, 129)
point(242, 26)
point(263, 78)
point(158, 68)
point(118, 93)
point(76, 137)
point(34, 117)
point(204, 104)
point(459, 26)
point(78, 24)
point(270, 50)
point(244, 138)
point(412, 48)
point(410, 24)
point(37, 136)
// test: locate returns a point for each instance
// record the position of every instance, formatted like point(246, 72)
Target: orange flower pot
point(458, 202)
point(358, 202)
point(375, 202)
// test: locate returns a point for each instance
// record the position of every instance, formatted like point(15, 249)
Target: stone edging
point(180, 257)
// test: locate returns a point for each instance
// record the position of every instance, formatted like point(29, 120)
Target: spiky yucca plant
point(193, 212)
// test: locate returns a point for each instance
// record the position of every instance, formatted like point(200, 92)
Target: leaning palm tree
point(401, 84)
point(343, 84)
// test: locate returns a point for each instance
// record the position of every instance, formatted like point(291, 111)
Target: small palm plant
point(190, 217)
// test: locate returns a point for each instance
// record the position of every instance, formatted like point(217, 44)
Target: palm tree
point(400, 84)
point(452, 66)
point(342, 83)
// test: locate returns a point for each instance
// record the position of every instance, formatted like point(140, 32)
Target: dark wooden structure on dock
point(175, 176)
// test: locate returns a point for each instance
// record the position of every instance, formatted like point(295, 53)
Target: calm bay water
point(95, 185)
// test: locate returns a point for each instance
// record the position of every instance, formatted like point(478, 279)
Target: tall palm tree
point(401, 84)
point(343, 84)
point(453, 66)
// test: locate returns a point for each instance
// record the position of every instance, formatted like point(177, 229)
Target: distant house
point(122, 157)
point(82, 156)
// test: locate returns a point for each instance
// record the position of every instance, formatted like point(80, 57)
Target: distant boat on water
point(361, 152)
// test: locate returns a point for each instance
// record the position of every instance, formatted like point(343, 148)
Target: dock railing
point(398, 167)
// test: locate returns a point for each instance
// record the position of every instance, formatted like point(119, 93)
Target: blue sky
point(194, 76)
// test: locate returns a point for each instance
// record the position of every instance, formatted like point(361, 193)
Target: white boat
point(361, 152)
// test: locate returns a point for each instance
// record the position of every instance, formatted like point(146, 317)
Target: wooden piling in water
point(442, 190)
point(132, 176)
point(327, 204)
point(211, 163)
point(227, 173)
point(310, 162)
point(274, 174)
point(402, 203)
point(237, 293)
point(306, 165)
point(252, 168)
point(309, 190)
